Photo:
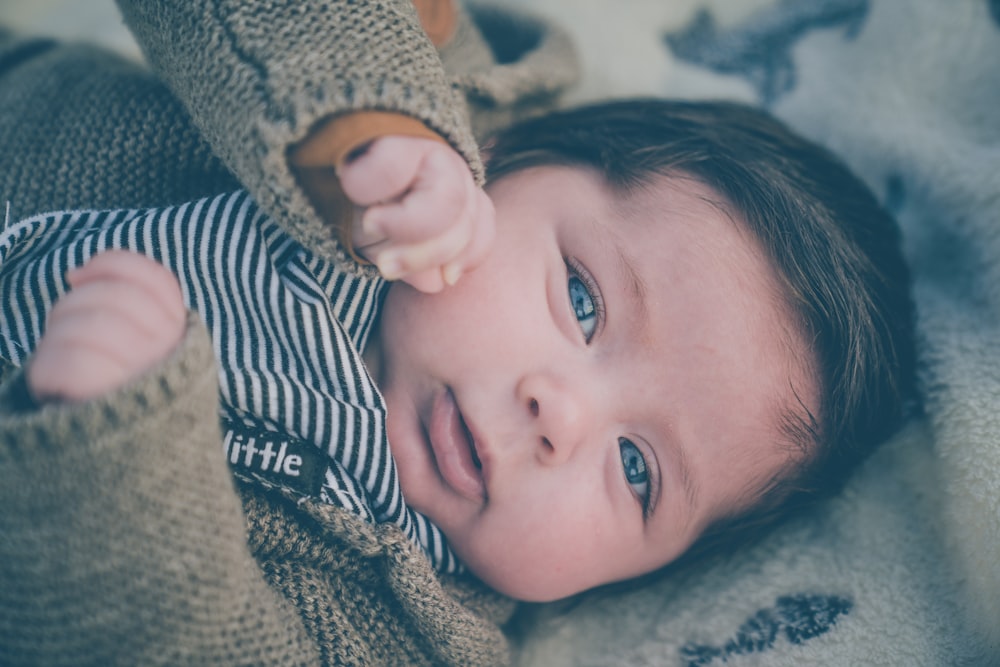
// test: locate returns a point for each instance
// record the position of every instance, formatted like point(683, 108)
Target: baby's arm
point(276, 73)
point(122, 316)
point(123, 539)
point(424, 220)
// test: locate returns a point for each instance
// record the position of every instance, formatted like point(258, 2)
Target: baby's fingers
point(480, 242)
point(124, 314)
point(397, 261)
point(127, 311)
point(144, 279)
point(384, 171)
point(431, 265)
point(441, 197)
point(84, 353)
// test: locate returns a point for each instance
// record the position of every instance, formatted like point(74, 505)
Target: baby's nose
point(558, 414)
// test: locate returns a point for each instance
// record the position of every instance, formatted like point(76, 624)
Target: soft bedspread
point(904, 567)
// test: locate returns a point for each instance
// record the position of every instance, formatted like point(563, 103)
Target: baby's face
point(577, 409)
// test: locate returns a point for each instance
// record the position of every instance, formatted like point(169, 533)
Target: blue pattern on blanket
point(797, 617)
point(994, 6)
point(760, 49)
point(895, 193)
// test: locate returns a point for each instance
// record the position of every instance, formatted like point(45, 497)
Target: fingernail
point(369, 224)
point(390, 266)
point(451, 273)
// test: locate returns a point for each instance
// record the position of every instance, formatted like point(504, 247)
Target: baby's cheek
point(537, 559)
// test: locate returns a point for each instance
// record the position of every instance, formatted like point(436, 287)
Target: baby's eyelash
point(577, 269)
point(639, 460)
point(654, 488)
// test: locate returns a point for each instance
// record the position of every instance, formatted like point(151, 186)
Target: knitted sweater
point(124, 538)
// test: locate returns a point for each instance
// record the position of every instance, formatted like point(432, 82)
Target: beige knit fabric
point(83, 128)
point(123, 539)
point(124, 543)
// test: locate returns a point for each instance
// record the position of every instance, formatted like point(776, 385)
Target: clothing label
point(273, 457)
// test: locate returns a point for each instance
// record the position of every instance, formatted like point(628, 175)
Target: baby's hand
point(426, 221)
point(123, 314)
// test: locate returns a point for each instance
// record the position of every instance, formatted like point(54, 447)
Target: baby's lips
point(454, 448)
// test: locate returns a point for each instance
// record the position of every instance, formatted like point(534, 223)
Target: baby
point(680, 321)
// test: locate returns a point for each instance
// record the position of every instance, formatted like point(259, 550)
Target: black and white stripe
point(286, 328)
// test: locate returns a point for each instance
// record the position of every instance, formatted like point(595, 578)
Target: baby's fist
point(425, 221)
point(123, 315)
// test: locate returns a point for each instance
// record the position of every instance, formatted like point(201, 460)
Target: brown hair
point(837, 251)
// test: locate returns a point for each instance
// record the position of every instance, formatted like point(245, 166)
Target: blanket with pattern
point(903, 568)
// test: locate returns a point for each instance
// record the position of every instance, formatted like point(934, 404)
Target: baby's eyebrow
point(686, 480)
point(636, 286)
point(676, 457)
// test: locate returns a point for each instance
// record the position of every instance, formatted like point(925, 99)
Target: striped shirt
point(298, 407)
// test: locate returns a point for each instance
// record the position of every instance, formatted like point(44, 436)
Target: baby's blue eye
point(583, 306)
point(636, 474)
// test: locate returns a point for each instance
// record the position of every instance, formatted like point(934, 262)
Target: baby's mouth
point(454, 447)
point(472, 442)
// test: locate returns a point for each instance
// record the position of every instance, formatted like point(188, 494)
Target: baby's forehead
point(655, 194)
point(735, 274)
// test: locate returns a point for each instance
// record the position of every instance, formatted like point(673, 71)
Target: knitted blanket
point(904, 567)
